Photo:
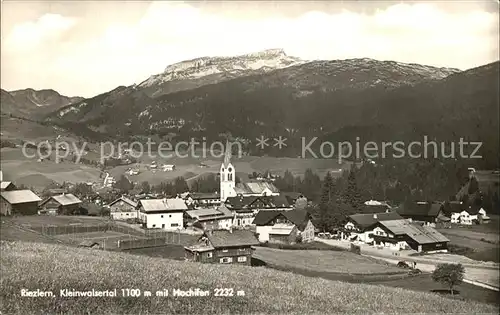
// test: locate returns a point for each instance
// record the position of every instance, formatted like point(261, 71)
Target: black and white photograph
point(249, 157)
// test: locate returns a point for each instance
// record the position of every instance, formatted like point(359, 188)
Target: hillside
point(33, 104)
point(31, 266)
point(274, 100)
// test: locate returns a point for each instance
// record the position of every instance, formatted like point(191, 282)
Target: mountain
point(197, 72)
point(268, 99)
point(31, 103)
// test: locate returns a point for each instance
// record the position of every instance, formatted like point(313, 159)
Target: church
point(229, 188)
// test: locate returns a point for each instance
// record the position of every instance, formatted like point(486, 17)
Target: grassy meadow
point(53, 267)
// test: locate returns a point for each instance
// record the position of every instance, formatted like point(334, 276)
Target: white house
point(359, 227)
point(472, 215)
point(167, 214)
point(278, 226)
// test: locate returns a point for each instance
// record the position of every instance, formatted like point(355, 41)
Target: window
point(163, 226)
point(224, 250)
point(168, 216)
point(210, 255)
point(242, 259)
point(127, 214)
point(241, 249)
point(162, 216)
point(174, 224)
point(154, 225)
point(226, 260)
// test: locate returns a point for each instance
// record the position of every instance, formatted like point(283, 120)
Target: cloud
point(29, 35)
point(127, 52)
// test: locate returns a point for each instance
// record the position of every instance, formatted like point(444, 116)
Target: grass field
point(53, 267)
point(478, 242)
point(324, 261)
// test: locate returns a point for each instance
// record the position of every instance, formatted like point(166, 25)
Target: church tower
point(227, 176)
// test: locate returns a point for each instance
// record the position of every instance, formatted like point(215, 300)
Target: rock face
point(210, 70)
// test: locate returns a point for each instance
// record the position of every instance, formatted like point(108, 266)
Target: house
point(164, 213)
point(123, 208)
point(401, 234)
point(209, 219)
point(64, 204)
point(224, 247)
point(423, 211)
point(359, 227)
point(7, 186)
point(245, 208)
point(23, 202)
point(203, 200)
point(278, 226)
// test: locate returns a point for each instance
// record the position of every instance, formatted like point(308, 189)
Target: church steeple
point(227, 176)
point(227, 155)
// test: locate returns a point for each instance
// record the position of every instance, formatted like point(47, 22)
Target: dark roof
point(279, 201)
point(409, 209)
point(367, 220)
point(126, 200)
point(450, 207)
point(473, 209)
point(236, 238)
point(291, 196)
point(374, 208)
point(265, 216)
point(296, 216)
point(239, 202)
point(198, 196)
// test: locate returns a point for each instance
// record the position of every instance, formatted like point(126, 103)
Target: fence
point(70, 229)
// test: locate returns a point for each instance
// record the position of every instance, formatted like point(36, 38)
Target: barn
point(23, 202)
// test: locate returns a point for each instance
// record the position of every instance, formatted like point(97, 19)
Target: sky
point(84, 48)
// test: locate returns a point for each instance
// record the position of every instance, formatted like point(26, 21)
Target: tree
point(449, 274)
point(352, 195)
point(145, 187)
point(123, 184)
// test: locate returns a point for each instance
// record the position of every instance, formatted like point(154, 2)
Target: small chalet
point(164, 214)
point(286, 227)
point(244, 208)
point(123, 208)
point(403, 234)
point(7, 186)
point(203, 200)
point(61, 204)
point(426, 212)
point(359, 227)
point(209, 219)
point(23, 202)
point(224, 247)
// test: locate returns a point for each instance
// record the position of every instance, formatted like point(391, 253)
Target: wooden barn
point(64, 204)
point(123, 208)
point(224, 247)
point(24, 202)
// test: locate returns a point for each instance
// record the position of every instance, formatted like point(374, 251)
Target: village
point(225, 226)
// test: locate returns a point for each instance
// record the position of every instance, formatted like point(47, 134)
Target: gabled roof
point(299, 218)
point(265, 216)
point(279, 201)
point(66, 199)
point(154, 205)
point(236, 238)
point(126, 200)
point(199, 196)
point(20, 196)
point(208, 214)
point(257, 202)
point(367, 220)
point(255, 187)
point(419, 233)
point(450, 207)
point(239, 202)
point(419, 209)
point(5, 185)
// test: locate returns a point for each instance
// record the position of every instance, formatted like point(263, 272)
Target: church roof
point(255, 188)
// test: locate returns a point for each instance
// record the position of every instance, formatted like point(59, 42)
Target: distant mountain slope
point(31, 103)
point(277, 98)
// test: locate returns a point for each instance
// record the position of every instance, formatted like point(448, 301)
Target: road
point(477, 273)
